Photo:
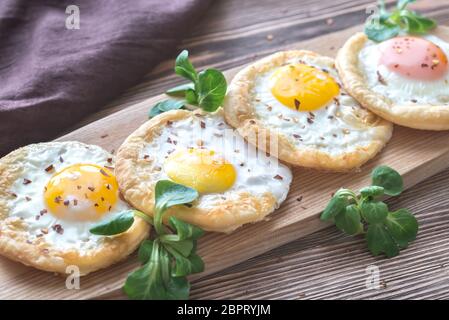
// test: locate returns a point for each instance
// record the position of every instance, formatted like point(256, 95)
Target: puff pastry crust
point(42, 255)
point(135, 182)
point(241, 114)
point(417, 116)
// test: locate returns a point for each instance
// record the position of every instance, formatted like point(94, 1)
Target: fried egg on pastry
point(404, 79)
point(236, 184)
point(51, 194)
point(296, 97)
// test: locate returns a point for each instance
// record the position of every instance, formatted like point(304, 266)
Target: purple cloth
point(51, 76)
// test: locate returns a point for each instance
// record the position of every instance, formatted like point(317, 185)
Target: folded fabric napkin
point(61, 60)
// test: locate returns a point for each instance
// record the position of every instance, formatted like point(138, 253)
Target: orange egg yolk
point(200, 169)
point(81, 192)
point(414, 58)
point(303, 88)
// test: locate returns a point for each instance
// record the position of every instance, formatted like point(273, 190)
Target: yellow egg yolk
point(303, 88)
point(81, 192)
point(200, 169)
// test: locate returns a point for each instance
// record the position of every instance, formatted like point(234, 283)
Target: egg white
point(398, 88)
point(257, 173)
point(335, 129)
point(30, 197)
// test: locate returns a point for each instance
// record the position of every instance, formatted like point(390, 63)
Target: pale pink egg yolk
point(414, 58)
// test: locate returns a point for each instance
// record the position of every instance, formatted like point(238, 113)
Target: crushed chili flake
point(278, 177)
point(309, 120)
point(312, 115)
point(27, 198)
point(145, 156)
point(75, 202)
point(58, 199)
point(49, 168)
point(37, 217)
point(414, 100)
point(78, 187)
point(169, 123)
point(381, 79)
point(12, 194)
point(252, 121)
point(104, 173)
point(109, 160)
point(108, 186)
point(26, 181)
point(297, 104)
point(104, 136)
point(66, 202)
point(58, 228)
point(61, 159)
point(203, 124)
point(102, 198)
point(110, 207)
point(96, 205)
point(43, 211)
point(91, 189)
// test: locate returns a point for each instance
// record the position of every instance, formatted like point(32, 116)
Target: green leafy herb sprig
point(170, 255)
point(206, 89)
point(385, 231)
point(388, 24)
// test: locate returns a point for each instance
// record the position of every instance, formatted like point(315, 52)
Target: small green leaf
point(389, 179)
point(379, 32)
point(184, 247)
point(211, 89)
point(372, 191)
point(145, 250)
point(170, 194)
point(374, 211)
point(379, 240)
point(165, 106)
point(402, 226)
point(403, 3)
point(191, 97)
point(184, 68)
point(180, 91)
point(349, 221)
point(334, 207)
point(154, 281)
point(185, 230)
point(118, 225)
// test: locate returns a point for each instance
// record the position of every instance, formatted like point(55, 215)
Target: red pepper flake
point(96, 205)
point(169, 140)
point(66, 202)
point(330, 117)
point(61, 159)
point(381, 79)
point(58, 199)
point(75, 202)
point(297, 103)
point(108, 186)
point(203, 124)
point(145, 156)
point(26, 181)
point(91, 189)
point(102, 199)
point(169, 123)
point(424, 65)
point(37, 217)
point(414, 100)
point(278, 177)
point(104, 136)
point(49, 168)
point(104, 173)
point(58, 228)
point(310, 121)
point(43, 211)
point(78, 187)
point(27, 198)
point(109, 160)
point(396, 66)
point(334, 135)
point(110, 207)
point(337, 102)
point(252, 121)
point(297, 136)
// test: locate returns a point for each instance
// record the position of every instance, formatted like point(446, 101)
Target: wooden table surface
point(326, 264)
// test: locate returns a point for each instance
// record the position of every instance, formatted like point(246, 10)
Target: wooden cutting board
point(415, 154)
